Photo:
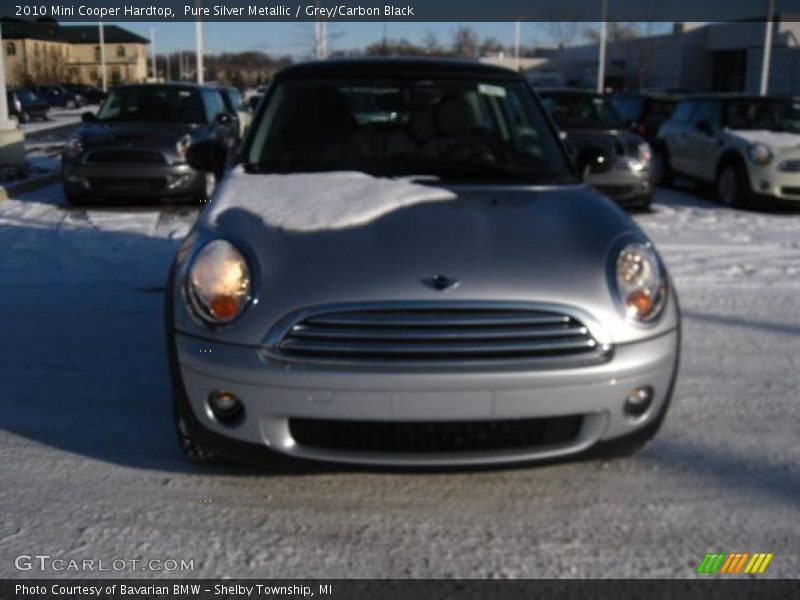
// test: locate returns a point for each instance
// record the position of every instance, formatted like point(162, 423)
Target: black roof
point(566, 91)
point(384, 67)
point(732, 96)
point(50, 31)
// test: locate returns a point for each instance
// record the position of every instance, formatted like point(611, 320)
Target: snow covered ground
point(90, 470)
point(58, 118)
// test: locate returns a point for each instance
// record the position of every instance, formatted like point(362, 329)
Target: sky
point(295, 39)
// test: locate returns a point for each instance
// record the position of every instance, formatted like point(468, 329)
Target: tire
point(732, 186)
point(664, 174)
point(24, 117)
point(191, 448)
point(76, 199)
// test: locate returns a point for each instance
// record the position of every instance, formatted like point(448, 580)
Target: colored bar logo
point(731, 564)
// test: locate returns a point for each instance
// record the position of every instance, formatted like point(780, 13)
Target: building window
point(97, 54)
point(11, 48)
point(120, 51)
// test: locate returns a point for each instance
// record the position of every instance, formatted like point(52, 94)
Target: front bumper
point(132, 180)
point(773, 182)
point(623, 184)
point(273, 394)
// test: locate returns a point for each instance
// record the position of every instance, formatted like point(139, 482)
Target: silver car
point(404, 270)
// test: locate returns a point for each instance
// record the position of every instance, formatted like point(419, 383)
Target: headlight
point(183, 145)
point(760, 154)
point(218, 283)
point(641, 285)
point(74, 146)
point(644, 152)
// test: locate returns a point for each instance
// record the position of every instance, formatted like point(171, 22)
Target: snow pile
point(318, 201)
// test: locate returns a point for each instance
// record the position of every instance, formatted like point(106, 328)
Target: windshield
point(27, 96)
point(153, 104)
point(454, 130)
point(582, 111)
point(764, 113)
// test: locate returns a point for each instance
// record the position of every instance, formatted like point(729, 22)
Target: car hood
point(548, 244)
point(147, 135)
point(779, 140)
point(616, 142)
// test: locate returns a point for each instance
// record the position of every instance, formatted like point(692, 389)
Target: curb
point(9, 191)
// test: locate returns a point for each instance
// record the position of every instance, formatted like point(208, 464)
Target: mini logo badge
point(441, 283)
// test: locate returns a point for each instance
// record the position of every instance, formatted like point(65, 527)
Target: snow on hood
point(773, 139)
point(318, 201)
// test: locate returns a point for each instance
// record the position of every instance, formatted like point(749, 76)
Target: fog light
point(638, 401)
point(225, 406)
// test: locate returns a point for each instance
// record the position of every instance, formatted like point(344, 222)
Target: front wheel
point(663, 175)
point(209, 184)
point(194, 451)
point(732, 186)
point(78, 199)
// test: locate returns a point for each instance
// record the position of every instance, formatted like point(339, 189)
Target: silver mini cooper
point(404, 270)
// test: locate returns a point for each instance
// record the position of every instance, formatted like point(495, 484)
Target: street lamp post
point(154, 66)
point(765, 62)
point(198, 42)
point(102, 35)
point(601, 60)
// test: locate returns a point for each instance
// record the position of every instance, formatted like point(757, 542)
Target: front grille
point(433, 336)
point(128, 184)
point(790, 191)
point(790, 166)
point(436, 436)
point(616, 190)
point(126, 156)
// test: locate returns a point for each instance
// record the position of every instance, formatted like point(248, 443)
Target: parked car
point(405, 269)
point(57, 95)
point(594, 127)
point(747, 146)
point(92, 93)
point(644, 112)
point(25, 105)
point(135, 147)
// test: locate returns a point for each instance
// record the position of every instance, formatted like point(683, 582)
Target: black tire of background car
point(78, 200)
point(741, 197)
point(24, 117)
point(664, 175)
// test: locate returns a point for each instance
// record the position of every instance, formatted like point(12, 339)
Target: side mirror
point(592, 159)
point(223, 119)
point(704, 127)
point(88, 117)
point(207, 156)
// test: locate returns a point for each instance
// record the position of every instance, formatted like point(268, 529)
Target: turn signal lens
point(641, 285)
point(219, 282)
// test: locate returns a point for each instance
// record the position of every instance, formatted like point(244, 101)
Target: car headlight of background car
point(640, 282)
point(218, 283)
point(760, 154)
point(74, 146)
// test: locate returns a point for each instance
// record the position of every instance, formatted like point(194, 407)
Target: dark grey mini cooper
point(134, 149)
point(405, 270)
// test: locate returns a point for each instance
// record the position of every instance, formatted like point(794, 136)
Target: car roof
point(565, 91)
point(395, 68)
point(178, 86)
point(733, 96)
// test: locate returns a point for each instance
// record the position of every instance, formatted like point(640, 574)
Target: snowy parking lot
point(91, 470)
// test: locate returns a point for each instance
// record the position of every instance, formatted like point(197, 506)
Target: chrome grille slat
point(436, 336)
point(526, 347)
point(417, 318)
point(431, 333)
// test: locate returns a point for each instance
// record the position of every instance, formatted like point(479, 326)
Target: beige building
point(44, 52)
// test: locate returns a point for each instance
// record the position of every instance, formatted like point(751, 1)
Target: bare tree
point(562, 34)
point(617, 32)
point(465, 42)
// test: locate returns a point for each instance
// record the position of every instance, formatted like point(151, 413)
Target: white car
point(748, 146)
